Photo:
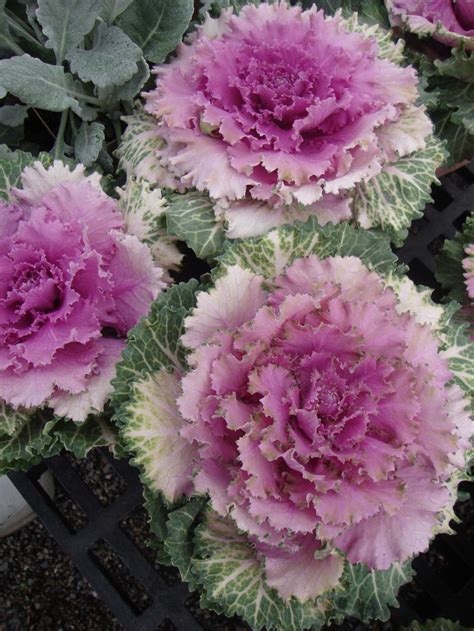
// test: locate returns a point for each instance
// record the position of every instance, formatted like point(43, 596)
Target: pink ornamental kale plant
point(72, 284)
point(449, 21)
point(323, 419)
point(308, 416)
point(278, 113)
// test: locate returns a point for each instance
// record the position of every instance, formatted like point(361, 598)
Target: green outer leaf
point(158, 513)
point(459, 65)
point(66, 22)
point(226, 567)
point(154, 343)
point(179, 540)
point(374, 12)
point(453, 114)
point(88, 143)
point(80, 438)
point(459, 141)
point(12, 165)
point(458, 349)
point(26, 444)
point(271, 254)
point(11, 420)
point(111, 61)
point(38, 84)
point(157, 27)
point(191, 218)
point(370, 593)
point(399, 194)
point(450, 271)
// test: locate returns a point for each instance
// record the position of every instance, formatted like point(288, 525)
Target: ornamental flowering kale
point(450, 22)
point(447, 74)
point(73, 282)
point(318, 411)
point(280, 113)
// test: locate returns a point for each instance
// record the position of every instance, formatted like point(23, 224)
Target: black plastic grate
point(92, 525)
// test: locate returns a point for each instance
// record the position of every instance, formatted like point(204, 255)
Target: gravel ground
point(40, 589)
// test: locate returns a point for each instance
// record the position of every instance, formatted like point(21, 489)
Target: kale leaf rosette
point(442, 39)
point(78, 269)
point(301, 424)
point(276, 114)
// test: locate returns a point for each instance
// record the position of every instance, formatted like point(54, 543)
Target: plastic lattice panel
point(94, 518)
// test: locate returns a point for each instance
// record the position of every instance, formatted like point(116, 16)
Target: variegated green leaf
point(271, 254)
point(139, 146)
point(26, 444)
point(191, 218)
point(226, 567)
point(10, 419)
point(80, 438)
point(415, 300)
point(458, 349)
point(369, 27)
point(12, 164)
point(153, 345)
point(398, 195)
point(143, 209)
point(368, 594)
point(151, 432)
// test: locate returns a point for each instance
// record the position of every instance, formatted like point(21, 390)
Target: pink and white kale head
point(69, 272)
point(322, 419)
point(449, 21)
point(278, 113)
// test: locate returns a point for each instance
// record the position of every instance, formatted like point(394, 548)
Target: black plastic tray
point(444, 582)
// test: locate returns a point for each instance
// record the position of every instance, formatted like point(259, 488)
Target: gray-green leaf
point(66, 22)
point(88, 143)
point(13, 115)
point(111, 61)
point(191, 218)
point(157, 26)
point(111, 9)
point(39, 84)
